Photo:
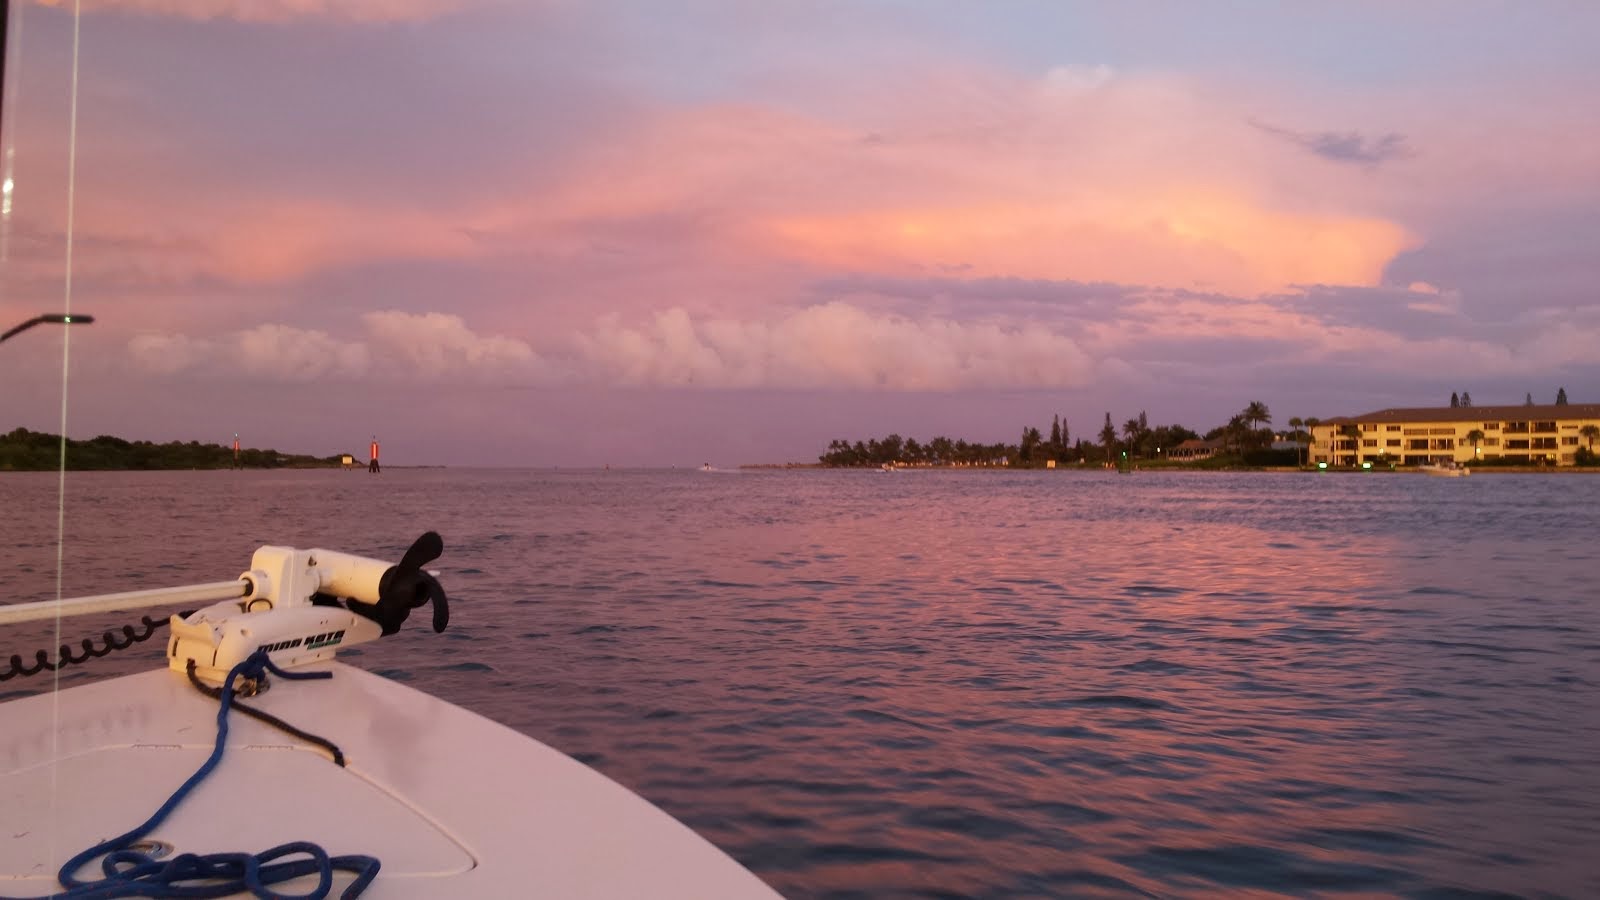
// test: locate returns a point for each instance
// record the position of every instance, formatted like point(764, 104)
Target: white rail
point(79, 606)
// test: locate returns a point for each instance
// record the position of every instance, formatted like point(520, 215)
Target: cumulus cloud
point(278, 11)
point(270, 351)
point(394, 345)
point(170, 354)
point(1344, 146)
point(294, 354)
point(833, 345)
point(433, 345)
point(829, 346)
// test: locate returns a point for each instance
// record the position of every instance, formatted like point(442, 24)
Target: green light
point(1366, 465)
point(67, 320)
point(1322, 465)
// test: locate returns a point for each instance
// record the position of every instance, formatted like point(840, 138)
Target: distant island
point(1529, 437)
point(22, 450)
point(1243, 442)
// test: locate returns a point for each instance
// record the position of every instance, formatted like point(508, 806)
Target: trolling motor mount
point(301, 605)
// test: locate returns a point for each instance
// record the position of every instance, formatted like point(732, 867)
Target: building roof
point(1516, 413)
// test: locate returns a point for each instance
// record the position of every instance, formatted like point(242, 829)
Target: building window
point(1417, 444)
point(1391, 428)
point(1442, 444)
point(1491, 426)
point(1544, 427)
point(1416, 431)
point(1516, 445)
point(1567, 458)
point(1516, 428)
point(1569, 440)
point(1369, 442)
point(1491, 442)
point(1544, 443)
point(1392, 442)
point(1367, 427)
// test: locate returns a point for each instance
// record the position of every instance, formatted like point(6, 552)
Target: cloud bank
point(834, 345)
point(830, 346)
point(395, 345)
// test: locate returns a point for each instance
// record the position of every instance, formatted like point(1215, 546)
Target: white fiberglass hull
point(453, 804)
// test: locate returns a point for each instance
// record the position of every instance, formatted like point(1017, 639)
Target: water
point(975, 683)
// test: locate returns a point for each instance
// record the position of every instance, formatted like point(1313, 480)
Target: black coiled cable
point(42, 662)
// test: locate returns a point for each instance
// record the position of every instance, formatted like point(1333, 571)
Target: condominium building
point(1536, 435)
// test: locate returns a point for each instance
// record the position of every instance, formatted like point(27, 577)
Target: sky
point(581, 232)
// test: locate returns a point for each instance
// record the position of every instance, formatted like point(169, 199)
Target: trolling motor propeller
point(406, 586)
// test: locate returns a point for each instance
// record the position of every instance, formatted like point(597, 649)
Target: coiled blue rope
point(132, 873)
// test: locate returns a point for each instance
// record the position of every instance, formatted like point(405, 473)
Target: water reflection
point(992, 683)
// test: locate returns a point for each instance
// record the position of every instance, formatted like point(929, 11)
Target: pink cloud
point(1082, 175)
point(834, 345)
point(702, 226)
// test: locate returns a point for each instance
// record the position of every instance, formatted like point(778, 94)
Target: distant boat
point(888, 467)
point(1444, 470)
point(707, 468)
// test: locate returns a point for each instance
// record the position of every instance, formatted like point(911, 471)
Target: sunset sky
point(560, 232)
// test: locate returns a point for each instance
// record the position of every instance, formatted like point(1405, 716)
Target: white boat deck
point(453, 804)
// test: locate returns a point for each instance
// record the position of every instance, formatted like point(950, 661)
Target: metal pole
point(58, 318)
point(5, 20)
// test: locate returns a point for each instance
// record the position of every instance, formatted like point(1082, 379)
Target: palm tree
point(1475, 437)
point(1295, 424)
point(1311, 432)
point(1590, 432)
point(1352, 432)
point(1254, 416)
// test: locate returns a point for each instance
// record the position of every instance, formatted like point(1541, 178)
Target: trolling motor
point(301, 605)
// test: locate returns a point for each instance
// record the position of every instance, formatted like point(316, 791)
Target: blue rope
point(132, 873)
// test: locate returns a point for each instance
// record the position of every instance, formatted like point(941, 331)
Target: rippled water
point(977, 683)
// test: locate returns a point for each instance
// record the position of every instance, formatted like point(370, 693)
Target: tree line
point(22, 450)
point(1245, 436)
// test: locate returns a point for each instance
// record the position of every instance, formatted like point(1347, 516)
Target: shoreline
point(1280, 470)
